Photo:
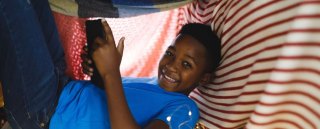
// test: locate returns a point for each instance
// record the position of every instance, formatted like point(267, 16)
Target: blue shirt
point(84, 106)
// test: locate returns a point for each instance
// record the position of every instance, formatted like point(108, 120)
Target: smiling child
point(39, 95)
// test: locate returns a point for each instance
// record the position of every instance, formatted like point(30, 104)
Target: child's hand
point(86, 62)
point(106, 55)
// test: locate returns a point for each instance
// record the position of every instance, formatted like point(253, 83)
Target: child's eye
point(186, 64)
point(168, 53)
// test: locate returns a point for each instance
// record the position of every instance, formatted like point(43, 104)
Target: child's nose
point(172, 66)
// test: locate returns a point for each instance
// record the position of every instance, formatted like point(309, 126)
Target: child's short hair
point(208, 39)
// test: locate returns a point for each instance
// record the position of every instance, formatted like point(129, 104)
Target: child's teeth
point(169, 78)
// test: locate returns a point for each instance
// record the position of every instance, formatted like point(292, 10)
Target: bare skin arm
point(107, 58)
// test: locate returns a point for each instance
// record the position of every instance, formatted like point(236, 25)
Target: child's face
point(183, 65)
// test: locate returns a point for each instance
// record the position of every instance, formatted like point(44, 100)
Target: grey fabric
point(113, 8)
point(97, 8)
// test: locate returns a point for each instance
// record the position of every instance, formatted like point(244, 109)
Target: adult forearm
point(120, 115)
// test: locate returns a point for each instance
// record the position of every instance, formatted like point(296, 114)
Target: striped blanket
point(270, 73)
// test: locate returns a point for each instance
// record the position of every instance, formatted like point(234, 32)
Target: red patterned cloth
point(73, 38)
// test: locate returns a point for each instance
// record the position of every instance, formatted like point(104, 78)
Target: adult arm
point(107, 58)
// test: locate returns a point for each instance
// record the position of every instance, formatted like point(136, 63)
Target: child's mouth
point(167, 78)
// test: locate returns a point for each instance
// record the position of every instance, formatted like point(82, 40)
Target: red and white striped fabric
point(270, 73)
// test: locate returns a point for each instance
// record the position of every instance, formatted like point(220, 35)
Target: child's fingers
point(85, 48)
point(108, 31)
point(86, 66)
point(87, 72)
point(85, 58)
point(120, 46)
point(87, 69)
point(97, 43)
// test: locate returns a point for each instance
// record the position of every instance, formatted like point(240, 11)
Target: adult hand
point(106, 55)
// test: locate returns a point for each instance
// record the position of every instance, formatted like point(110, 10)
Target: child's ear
point(206, 79)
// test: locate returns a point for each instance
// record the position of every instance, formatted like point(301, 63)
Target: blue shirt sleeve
point(180, 114)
